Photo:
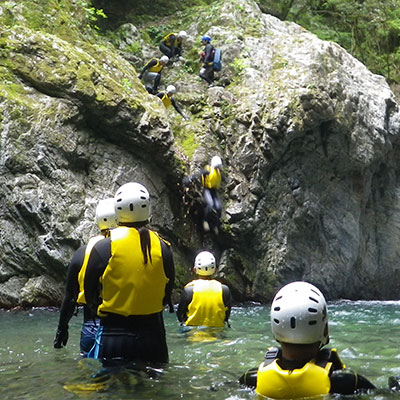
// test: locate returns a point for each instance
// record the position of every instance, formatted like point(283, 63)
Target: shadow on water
point(204, 363)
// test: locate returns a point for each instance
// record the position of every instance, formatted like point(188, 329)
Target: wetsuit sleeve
point(177, 108)
point(160, 95)
point(97, 263)
point(208, 57)
point(172, 41)
point(150, 64)
point(169, 269)
point(227, 298)
point(346, 381)
point(186, 299)
point(71, 288)
point(249, 378)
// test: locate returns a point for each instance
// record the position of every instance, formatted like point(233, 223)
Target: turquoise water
point(366, 334)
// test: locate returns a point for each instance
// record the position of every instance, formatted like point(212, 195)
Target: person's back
point(205, 301)
point(301, 367)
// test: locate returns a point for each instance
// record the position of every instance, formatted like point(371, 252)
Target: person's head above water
point(299, 315)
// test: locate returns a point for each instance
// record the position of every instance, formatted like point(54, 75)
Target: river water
point(203, 364)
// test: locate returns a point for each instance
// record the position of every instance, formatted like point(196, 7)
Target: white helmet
point(216, 162)
point(171, 89)
point(299, 315)
point(182, 34)
point(132, 203)
point(105, 214)
point(204, 264)
point(164, 59)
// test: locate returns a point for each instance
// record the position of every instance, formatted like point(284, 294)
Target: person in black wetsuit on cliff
point(301, 366)
point(74, 291)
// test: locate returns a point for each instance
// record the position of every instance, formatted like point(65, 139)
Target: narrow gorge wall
point(308, 136)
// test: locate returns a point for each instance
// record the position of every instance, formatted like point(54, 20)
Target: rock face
point(309, 139)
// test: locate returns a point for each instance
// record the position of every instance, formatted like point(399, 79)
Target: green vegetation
point(368, 29)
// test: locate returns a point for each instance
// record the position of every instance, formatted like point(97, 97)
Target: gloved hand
point(186, 181)
point(61, 338)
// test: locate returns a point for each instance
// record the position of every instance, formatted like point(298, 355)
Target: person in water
point(171, 44)
point(168, 100)
point(128, 281)
point(205, 301)
point(74, 290)
point(301, 366)
point(151, 73)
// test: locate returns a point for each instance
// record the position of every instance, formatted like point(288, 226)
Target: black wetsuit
point(173, 103)
point(134, 338)
point(207, 71)
point(343, 381)
point(171, 50)
point(187, 296)
point(69, 304)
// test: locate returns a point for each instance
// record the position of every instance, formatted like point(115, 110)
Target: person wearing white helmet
point(171, 44)
point(151, 73)
point(168, 100)
point(205, 301)
point(128, 282)
point(211, 178)
point(207, 58)
point(74, 290)
point(301, 366)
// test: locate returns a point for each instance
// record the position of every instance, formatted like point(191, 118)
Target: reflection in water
point(203, 362)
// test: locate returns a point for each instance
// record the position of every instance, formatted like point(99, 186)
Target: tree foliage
point(368, 29)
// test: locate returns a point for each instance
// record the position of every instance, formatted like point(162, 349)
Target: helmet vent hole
point(131, 206)
point(143, 197)
point(293, 322)
point(105, 219)
point(276, 321)
point(312, 322)
point(278, 298)
point(312, 310)
point(277, 309)
point(144, 206)
point(119, 200)
point(314, 300)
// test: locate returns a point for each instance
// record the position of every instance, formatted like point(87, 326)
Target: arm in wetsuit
point(150, 64)
point(169, 269)
point(68, 305)
point(177, 108)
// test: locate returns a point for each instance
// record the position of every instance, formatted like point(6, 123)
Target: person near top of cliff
point(207, 58)
point(171, 44)
point(168, 100)
point(128, 281)
point(205, 301)
point(74, 290)
point(151, 73)
point(301, 366)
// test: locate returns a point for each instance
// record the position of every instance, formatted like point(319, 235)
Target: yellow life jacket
point(277, 383)
point(157, 67)
point(212, 180)
point(81, 276)
point(129, 286)
point(166, 100)
point(167, 40)
point(207, 306)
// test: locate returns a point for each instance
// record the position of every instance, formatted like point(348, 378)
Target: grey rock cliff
point(309, 139)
